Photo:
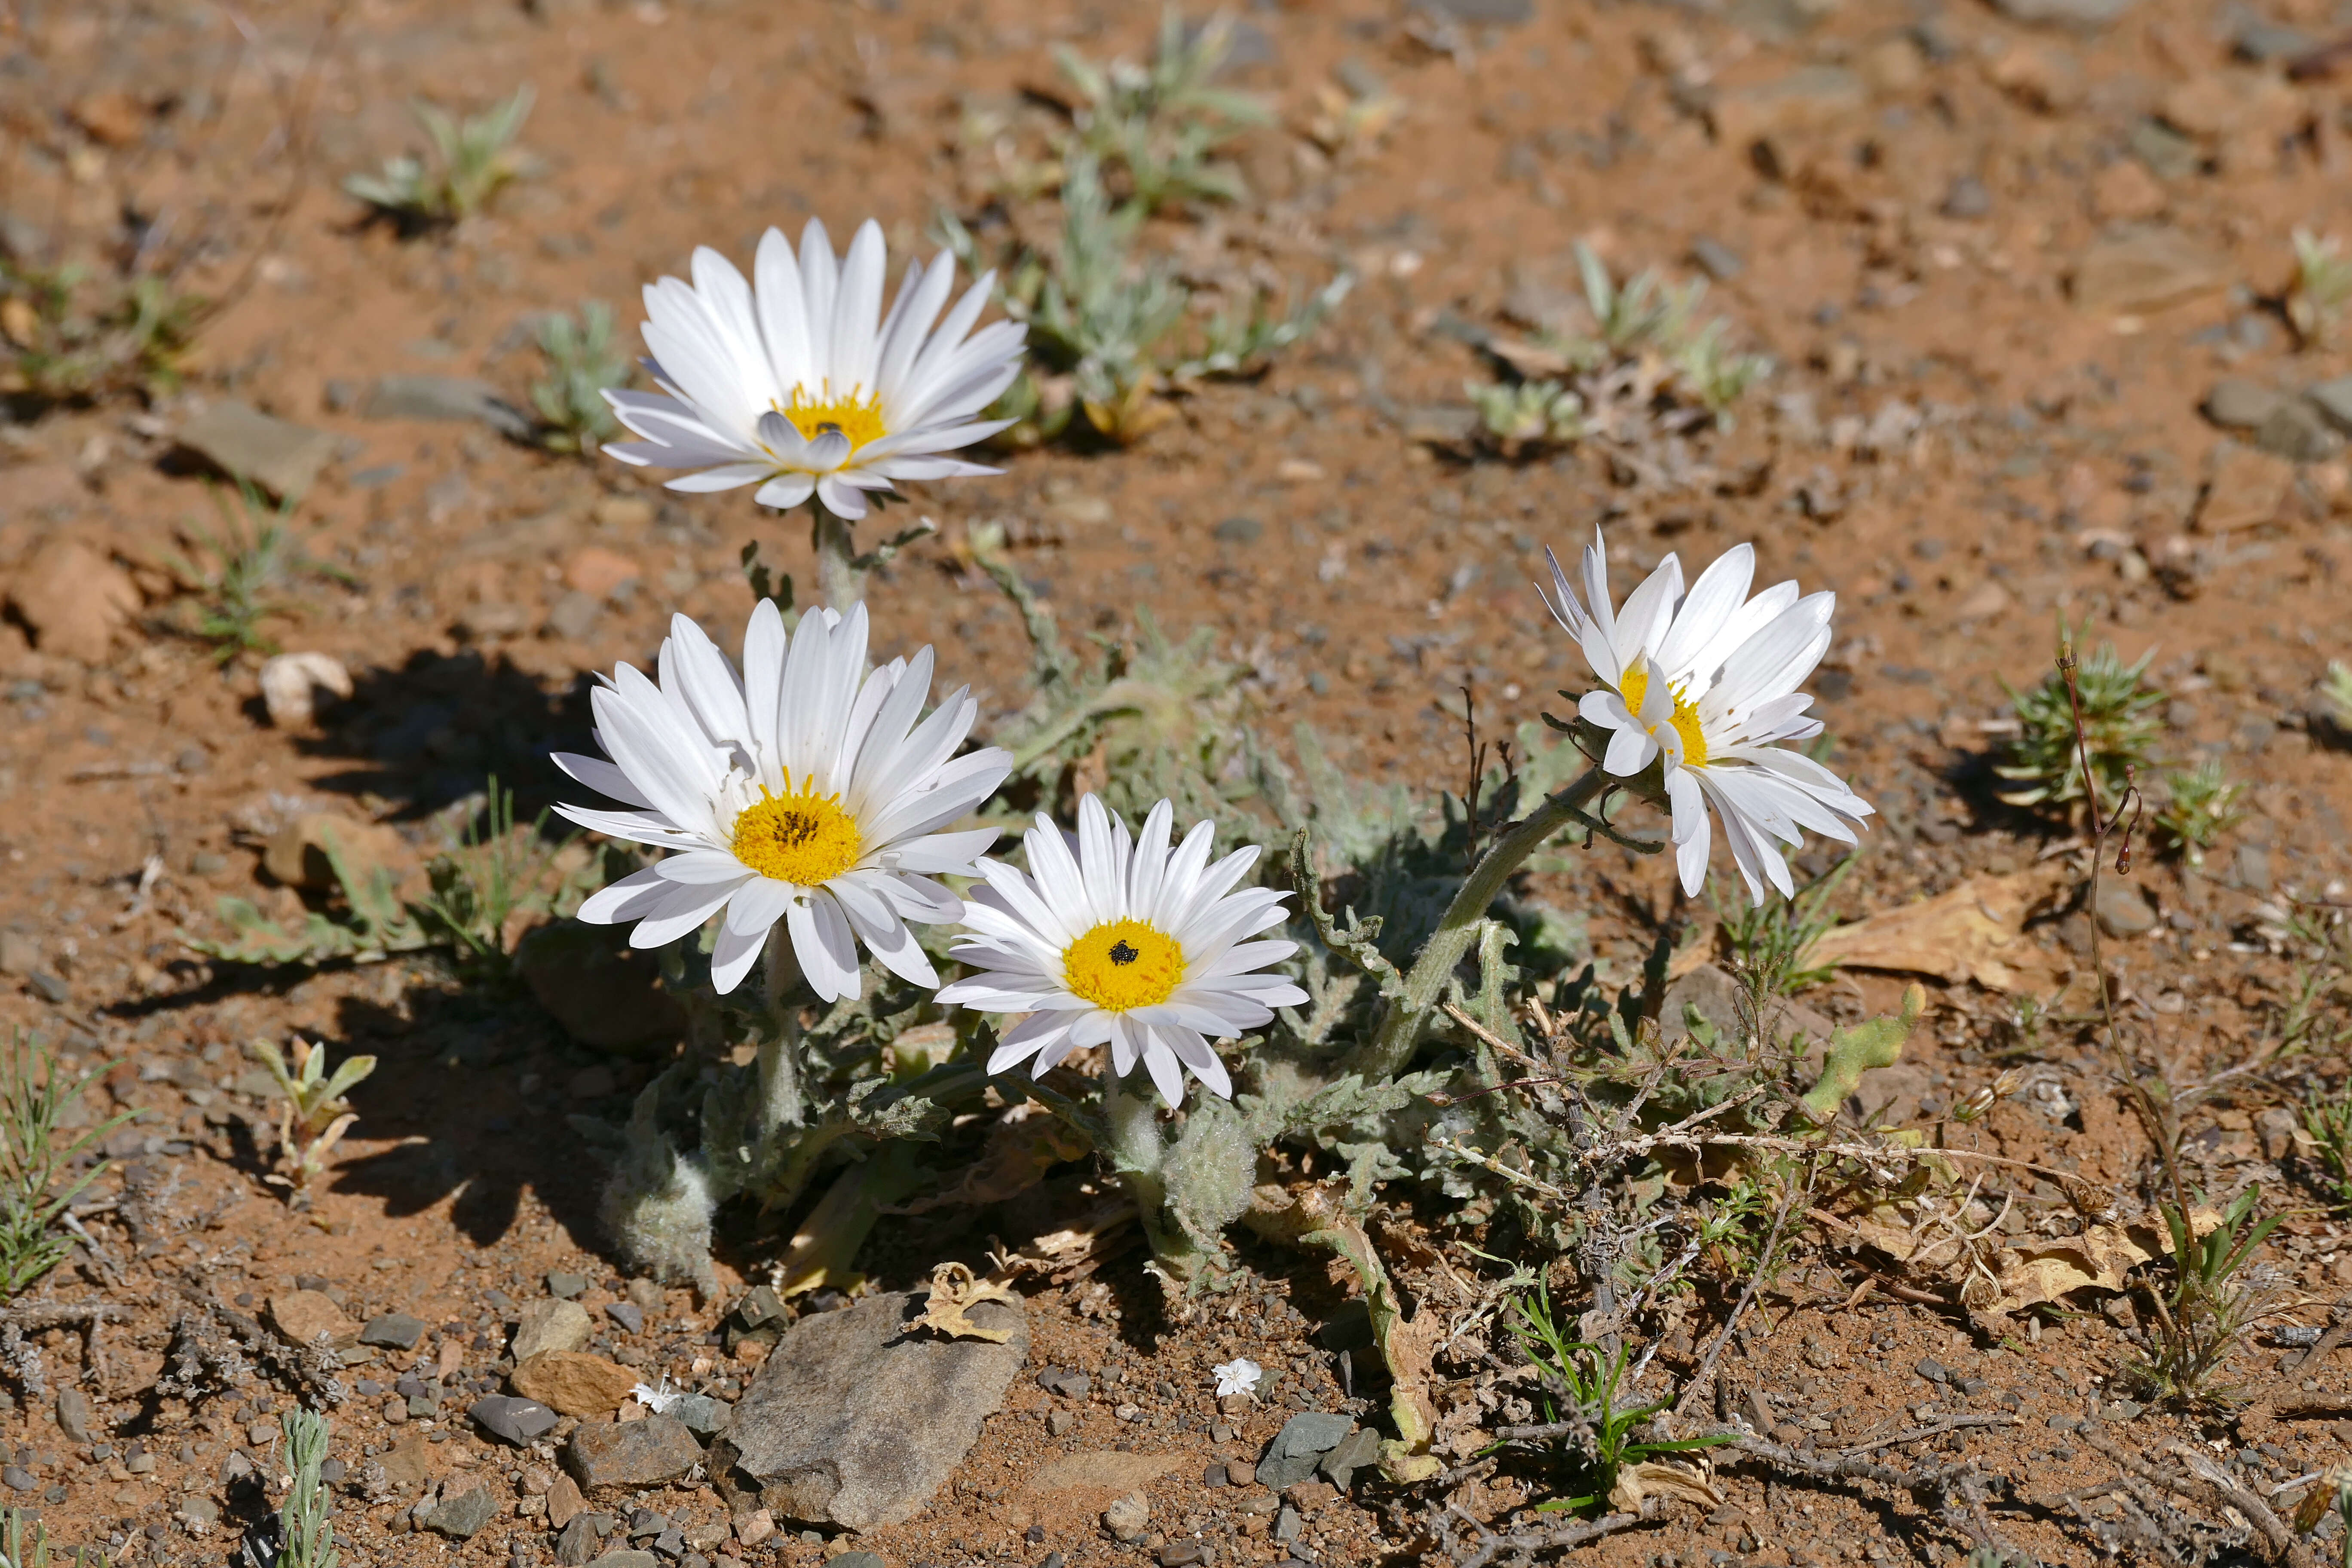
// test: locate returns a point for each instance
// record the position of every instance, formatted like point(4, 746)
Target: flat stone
point(393, 1330)
point(2144, 270)
point(699, 1413)
point(2238, 403)
point(565, 1287)
point(409, 1461)
point(1359, 1449)
point(563, 1501)
point(854, 1421)
point(1805, 99)
point(2247, 489)
point(75, 1418)
point(512, 1420)
point(454, 397)
point(2080, 16)
point(1482, 13)
point(459, 1517)
point(2297, 431)
point(628, 1315)
point(629, 1557)
point(1713, 992)
point(2333, 400)
point(74, 599)
point(2123, 909)
point(575, 1382)
point(305, 1316)
point(1295, 1451)
point(575, 1539)
point(858, 1560)
point(552, 1324)
point(606, 994)
point(278, 455)
point(645, 1453)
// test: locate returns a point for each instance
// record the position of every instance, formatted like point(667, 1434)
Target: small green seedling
point(2213, 1299)
point(16, 1554)
point(2200, 805)
point(2321, 289)
point(582, 362)
point(37, 1179)
point(1580, 1383)
point(2120, 729)
point(306, 1522)
point(314, 1115)
point(470, 162)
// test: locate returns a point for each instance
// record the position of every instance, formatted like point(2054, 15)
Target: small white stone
point(290, 680)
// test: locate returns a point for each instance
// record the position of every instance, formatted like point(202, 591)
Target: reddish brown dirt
point(2053, 462)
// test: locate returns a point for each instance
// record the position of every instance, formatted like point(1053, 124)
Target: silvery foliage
point(1154, 718)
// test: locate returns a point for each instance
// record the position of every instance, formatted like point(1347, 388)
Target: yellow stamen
point(1121, 964)
point(1634, 685)
point(801, 837)
point(858, 419)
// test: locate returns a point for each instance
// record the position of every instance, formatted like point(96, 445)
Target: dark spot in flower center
point(827, 427)
point(793, 829)
point(1123, 955)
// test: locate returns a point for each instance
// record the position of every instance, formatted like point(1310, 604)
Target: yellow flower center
point(1635, 685)
point(1121, 964)
point(860, 419)
point(801, 838)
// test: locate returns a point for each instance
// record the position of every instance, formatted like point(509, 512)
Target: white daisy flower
point(1708, 679)
point(1239, 1375)
point(1125, 941)
point(803, 790)
point(801, 386)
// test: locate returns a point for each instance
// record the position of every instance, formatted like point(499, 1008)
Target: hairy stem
point(781, 1103)
point(1392, 1045)
point(838, 580)
point(1139, 1153)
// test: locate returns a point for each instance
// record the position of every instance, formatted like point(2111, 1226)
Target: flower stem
point(780, 1102)
point(838, 578)
point(1392, 1042)
point(1139, 1153)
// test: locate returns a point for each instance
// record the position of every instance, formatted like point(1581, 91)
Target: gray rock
point(553, 1324)
point(2123, 909)
point(2083, 15)
point(511, 1419)
point(49, 987)
point(565, 1287)
point(1286, 1523)
point(74, 1416)
point(1966, 197)
point(279, 457)
point(1483, 12)
point(628, 1315)
point(2250, 869)
point(459, 1517)
point(574, 615)
point(2298, 431)
point(199, 1510)
point(858, 1560)
point(393, 1330)
point(854, 1421)
point(576, 1541)
point(699, 1413)
point(1061, 1379)
point(1712, 992)
point(2237, 404)
point(629, 1557)
point(1933, 1370)
point(1127, 1516)
point(20, 955)
point(631, 1452)
point(1359, 1449)
point(1239, 530)
point(1299, 1446)
point(605, 993)
point(2333, 400)
point(445, 398)
point(1717, 260)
